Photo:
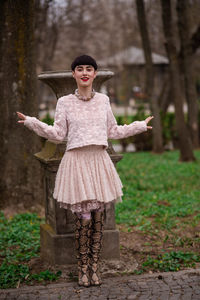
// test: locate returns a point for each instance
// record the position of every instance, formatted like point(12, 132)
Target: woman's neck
point(85, 91)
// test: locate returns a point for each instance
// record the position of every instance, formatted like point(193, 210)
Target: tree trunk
point(195, 40)
point(187, 65)
point(185, 144)
point(157, 129)
point(21, 179)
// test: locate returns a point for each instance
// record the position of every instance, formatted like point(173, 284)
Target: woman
point(86, 180)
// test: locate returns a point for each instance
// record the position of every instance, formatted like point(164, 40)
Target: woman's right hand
point(21, 116)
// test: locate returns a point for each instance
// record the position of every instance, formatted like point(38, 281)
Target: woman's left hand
point(147, 120)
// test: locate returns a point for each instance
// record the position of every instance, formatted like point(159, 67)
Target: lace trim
point(87, 206)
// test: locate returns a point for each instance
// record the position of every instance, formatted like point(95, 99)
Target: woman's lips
point(85, 79)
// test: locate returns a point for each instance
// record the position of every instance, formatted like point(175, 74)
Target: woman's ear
point(73, 73)
point(95, 73)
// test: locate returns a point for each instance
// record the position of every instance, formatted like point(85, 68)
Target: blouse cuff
point(142, 125)
point(28, 121)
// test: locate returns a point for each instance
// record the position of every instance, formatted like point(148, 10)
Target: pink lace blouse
point(84, 123)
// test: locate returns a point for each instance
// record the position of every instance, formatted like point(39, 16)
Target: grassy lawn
point(160, 212)
point(19, 244)
point(159, 221)
point(159, 191)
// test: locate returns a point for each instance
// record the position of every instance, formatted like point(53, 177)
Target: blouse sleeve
point(122, 131)
point(55, 133)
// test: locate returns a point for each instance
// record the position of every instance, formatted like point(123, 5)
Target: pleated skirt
point(87, 180)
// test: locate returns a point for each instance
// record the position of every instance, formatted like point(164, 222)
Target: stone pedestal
point(57, 234)
point(60, 248)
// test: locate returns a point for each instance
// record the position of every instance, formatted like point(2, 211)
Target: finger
point(20, 121)
point(21, 116)
point(149, 127)
point(149, 119)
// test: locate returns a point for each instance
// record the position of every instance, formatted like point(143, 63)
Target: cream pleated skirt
point(87, 180)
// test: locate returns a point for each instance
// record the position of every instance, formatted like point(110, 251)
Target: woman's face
point(84, 75)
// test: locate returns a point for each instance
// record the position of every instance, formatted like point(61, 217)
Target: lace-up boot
point(95, 246)
point(82, 244)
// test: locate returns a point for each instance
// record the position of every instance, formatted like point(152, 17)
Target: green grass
point(19, 243)
point(159, 191)
point(169, 261)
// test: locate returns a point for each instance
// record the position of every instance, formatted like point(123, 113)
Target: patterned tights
point(87, 215)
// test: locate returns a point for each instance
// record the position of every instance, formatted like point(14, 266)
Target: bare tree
point(195, 40)
point(187, 66)
point(157, 129)
point(185, 144)
point(49, 21)
point(100, 28)
point(20, 173)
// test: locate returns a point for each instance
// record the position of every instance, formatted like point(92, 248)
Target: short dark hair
point(84, 60)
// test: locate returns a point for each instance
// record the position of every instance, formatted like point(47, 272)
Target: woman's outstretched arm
point(55, 133)
point(122, 131)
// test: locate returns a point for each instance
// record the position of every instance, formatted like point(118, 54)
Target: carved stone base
point(60, 249)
